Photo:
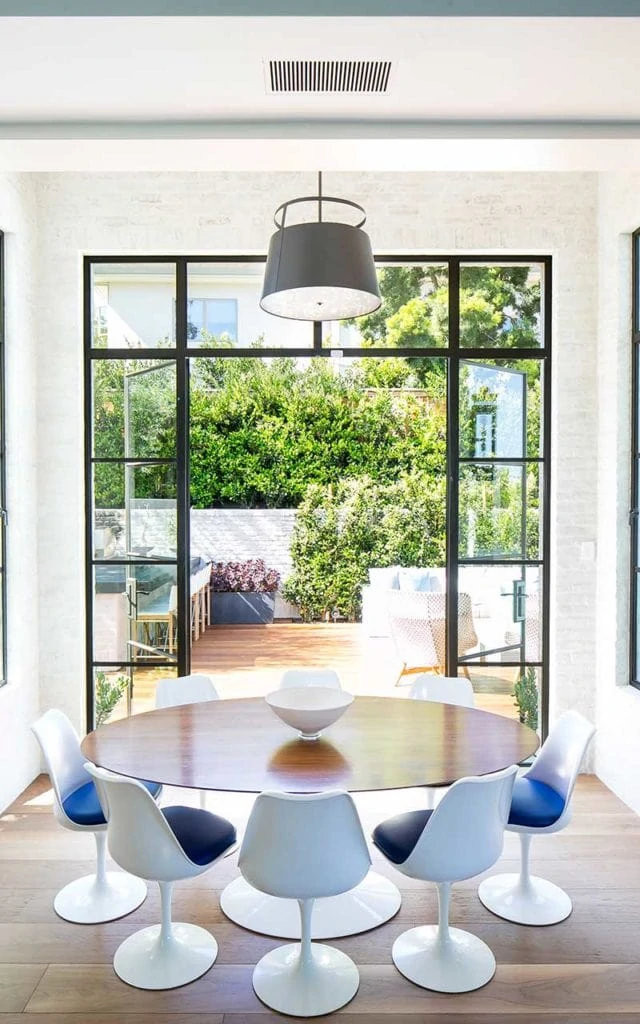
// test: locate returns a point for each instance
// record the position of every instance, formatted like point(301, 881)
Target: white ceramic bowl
point(309, 709)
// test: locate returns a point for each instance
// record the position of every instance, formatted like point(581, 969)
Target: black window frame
point(3, 475)
point(634, 503)
point(455, 354)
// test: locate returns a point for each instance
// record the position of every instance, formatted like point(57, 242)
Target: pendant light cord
point(320, 197)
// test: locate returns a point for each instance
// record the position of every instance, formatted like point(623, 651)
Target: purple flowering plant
point(251, 576)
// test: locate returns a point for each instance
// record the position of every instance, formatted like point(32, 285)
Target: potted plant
point(243, 592)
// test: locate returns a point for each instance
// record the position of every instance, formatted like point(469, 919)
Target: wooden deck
point(248, 661)
point(583, 971)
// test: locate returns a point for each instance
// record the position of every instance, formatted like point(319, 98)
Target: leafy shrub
point(344, 529)
point(525, 692)
point(251, 576)
point(107, 695)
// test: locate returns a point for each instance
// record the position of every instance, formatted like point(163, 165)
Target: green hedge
point(343, 529)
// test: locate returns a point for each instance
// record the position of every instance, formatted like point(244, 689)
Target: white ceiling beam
point(321, 8)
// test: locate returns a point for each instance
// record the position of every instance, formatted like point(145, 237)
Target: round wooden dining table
point(380, 743)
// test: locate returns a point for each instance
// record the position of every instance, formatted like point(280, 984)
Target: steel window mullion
point(453, 469)
point(3, 469)
point(182, 460)
point(88, 492)
point(634, 597)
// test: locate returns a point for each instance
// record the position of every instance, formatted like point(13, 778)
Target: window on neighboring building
point(216, 318)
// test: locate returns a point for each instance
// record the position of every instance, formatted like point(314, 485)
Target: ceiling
point(203, 79)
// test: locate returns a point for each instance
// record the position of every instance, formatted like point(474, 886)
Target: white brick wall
point(231, 212)
point(19, 758)
point(618, 705)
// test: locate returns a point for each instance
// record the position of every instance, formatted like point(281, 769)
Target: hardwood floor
point(248, 661)
point(583, 971)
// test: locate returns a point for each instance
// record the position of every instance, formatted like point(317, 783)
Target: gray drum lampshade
point(320, 270)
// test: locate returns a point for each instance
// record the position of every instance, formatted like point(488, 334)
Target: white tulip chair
point(106, 895)
point(310, 677)
point(444, 690)
point(175, 691)
point(304, 848)
point(462, 837)
point(163, 846)
point(541, 804)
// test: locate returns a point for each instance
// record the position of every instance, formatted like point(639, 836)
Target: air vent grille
point(328, 75)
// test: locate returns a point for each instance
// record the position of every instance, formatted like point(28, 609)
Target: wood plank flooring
point(248, 661)
point(583, 971)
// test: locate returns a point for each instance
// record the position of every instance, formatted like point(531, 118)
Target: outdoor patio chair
point(417, 622)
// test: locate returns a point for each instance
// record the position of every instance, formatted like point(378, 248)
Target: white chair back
point(304, 846)
point(310, 677)
point(443, 689)
point(139, 837)
point(176, 690)
point(465, 834)
point(562, 753)
point(60, 748)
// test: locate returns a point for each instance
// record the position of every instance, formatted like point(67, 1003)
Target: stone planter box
point(233, 609)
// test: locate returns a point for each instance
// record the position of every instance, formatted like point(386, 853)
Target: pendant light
point(320, 269)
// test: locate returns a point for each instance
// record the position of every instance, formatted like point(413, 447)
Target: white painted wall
point(552, 213)
point(618, 705)
point(19, 699)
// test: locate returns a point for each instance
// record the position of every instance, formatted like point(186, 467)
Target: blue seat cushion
point(203, 836)
point(396, 837)
point(534, 804)
point(83, 805)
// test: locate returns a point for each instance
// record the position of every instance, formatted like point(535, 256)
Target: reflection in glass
point(500, 409)
point(133, 305)
point(134, 612)
point(506, 604)
point(135, 511)
point(134, 409)
point(499, 511)
point(414, 311)
point(500, 306)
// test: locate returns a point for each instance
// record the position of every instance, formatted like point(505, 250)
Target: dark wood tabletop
point(379, 743)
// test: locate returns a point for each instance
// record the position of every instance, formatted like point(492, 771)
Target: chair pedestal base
point(370, 904)
point(537, 902)
point(327, 982)
point(461, 963)
point(144, 961)
point(89, 901)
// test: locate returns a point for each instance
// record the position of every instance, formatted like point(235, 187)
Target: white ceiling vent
point(287, 76)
